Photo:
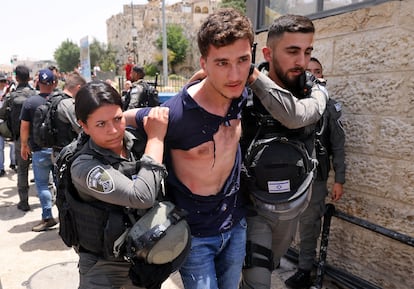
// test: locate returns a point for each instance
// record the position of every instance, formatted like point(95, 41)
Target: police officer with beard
point(330, 142)
point(272, 224)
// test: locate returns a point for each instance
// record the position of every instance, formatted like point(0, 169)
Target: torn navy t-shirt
point(189, 126)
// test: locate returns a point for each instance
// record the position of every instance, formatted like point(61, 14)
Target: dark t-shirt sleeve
point(141, 113)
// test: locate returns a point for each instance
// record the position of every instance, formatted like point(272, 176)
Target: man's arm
point(337, 147)
point(130, 117)
point(286, 108)
point(24, 139)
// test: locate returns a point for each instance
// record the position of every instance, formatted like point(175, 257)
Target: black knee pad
point(251, 261)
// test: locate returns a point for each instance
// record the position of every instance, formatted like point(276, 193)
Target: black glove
point(149, 276)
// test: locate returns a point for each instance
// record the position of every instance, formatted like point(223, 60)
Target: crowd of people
point(196, 151)
point(4, 88)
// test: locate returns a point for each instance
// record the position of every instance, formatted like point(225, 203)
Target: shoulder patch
point(338, 106)
point(100, 181)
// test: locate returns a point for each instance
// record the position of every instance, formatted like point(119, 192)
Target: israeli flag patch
point(278, 187)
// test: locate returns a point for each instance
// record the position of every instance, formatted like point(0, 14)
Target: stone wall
point(147, 20)
point(368, 59)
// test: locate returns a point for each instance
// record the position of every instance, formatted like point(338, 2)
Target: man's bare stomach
point(204, 170)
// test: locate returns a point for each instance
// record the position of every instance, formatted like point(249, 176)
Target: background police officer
point(330, 141)
point(272, 224)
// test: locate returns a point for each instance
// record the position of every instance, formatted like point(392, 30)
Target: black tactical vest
point(100, 224)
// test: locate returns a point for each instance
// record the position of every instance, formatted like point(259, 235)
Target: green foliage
point(67, 55)
point(177, 43)
point(96, 50)
point(176, 77)
point(170, 58)
point(103, 55)
point(151, 69)
point(107, 60)
point(236, 4)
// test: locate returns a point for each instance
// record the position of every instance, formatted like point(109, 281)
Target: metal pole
point(134, 35)
point(164, 46)
point(330, 210)
point(132, 14)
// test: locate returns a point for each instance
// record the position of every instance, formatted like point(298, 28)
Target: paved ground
point(41, 260)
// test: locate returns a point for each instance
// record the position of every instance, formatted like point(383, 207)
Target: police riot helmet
point(160, 236)
point(280, 176)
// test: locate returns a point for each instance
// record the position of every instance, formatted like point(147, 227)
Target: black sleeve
point(336, 140)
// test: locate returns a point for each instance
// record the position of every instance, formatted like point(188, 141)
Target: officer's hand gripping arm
point(286, 108)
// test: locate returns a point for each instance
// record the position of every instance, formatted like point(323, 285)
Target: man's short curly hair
point(222, 28)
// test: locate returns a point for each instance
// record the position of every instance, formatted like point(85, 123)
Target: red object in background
point(128, 68)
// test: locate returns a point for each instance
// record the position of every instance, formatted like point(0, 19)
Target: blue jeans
point(216, 262)
point(42, 167)
point(11, 153)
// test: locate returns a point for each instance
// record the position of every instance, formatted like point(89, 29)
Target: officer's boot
point(301, 279)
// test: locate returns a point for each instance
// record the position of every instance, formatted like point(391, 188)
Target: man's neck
point(45, 91)
point(208, 97)
point(66, 91)
point(23, 84)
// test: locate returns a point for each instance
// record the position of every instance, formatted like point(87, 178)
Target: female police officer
point(110, 175)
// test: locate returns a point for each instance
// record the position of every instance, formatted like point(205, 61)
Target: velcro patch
point(100, 181)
